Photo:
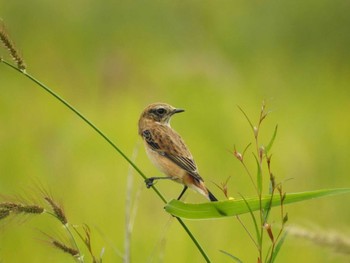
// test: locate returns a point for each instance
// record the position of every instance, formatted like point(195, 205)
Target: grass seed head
point(10, 46)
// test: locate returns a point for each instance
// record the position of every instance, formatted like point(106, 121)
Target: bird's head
point(159, 112)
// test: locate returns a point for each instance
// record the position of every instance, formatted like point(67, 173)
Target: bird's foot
point(149, 182)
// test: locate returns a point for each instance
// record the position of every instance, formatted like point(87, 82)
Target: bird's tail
point(200, 187)
point(211, 197)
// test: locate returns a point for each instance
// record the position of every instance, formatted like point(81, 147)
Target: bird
point(168, 151)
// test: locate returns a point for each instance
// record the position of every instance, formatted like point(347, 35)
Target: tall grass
point(21, 68)
point(263, 171)
point(267, 236)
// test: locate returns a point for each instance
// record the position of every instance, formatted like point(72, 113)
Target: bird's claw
point(149, 182)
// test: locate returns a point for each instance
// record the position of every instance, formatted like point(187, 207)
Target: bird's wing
point(149, 138)
point(169, 144)
point(186, 164)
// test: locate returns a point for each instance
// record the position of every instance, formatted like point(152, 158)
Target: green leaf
point(246, 116)
point(231, 256)
point(278, 247)
point(222, 209)
point(285, 219)
point(269, 146)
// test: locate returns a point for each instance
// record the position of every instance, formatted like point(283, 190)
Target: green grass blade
point(269, 146)
point(246, 116)
point(231, 256)
point(258, 236)
point(222, 209)
point(278, 247)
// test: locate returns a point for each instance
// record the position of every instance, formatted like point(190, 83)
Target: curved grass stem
point(94, 127)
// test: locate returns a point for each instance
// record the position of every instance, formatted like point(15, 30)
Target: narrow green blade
point(222, 209)
point(269, 146)
point(278, 246)
point(236, 259)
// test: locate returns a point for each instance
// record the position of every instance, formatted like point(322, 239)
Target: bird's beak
point(177, 111)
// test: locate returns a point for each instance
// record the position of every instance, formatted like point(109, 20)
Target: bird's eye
point(160, 111)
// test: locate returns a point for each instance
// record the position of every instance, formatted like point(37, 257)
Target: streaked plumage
point(167, 150)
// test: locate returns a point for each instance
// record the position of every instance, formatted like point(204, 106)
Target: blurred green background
point(112, 58)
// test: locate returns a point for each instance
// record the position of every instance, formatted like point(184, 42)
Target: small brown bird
point(167, 150)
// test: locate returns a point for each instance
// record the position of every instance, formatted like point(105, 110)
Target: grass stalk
point(128, 212)
point(260, 157)
point(94, 127)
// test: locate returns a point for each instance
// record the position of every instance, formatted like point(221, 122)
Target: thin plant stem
point(194, 240)
point(93, 126)
point(247, 231)
point(59, 98)
point(262, 220)
point(156, 254)
point(66, 227)
point(250, 176)
point(128, 211)
point(80, 258)
point(279, 232)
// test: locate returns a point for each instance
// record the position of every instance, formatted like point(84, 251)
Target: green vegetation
point(228, 208)
point(110, 61)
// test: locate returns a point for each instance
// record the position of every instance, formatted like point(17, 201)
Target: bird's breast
point(165, 165)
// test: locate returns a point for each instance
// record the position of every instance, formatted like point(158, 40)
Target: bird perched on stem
point(167, 151)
